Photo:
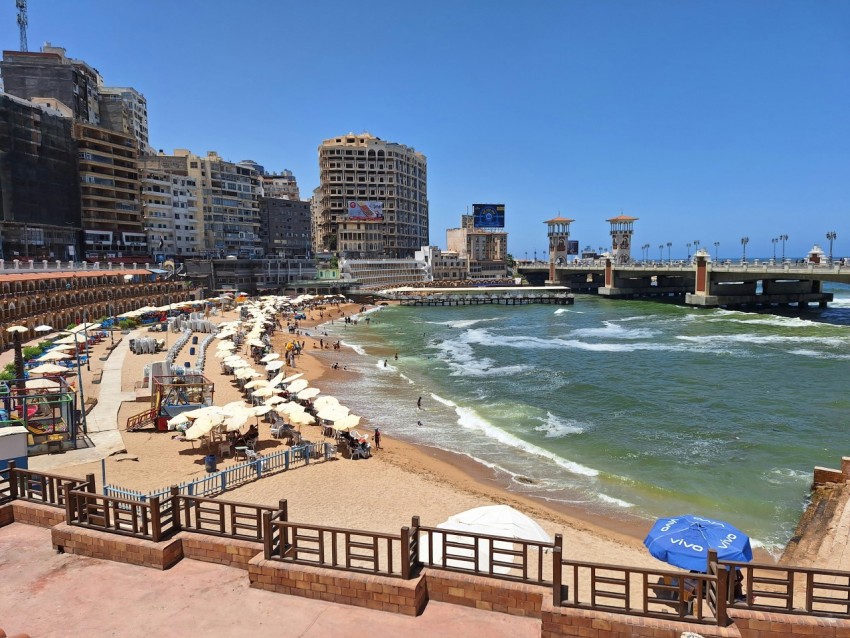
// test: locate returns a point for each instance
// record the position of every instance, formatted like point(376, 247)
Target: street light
point(111, 317)
point(831, 236)
point(646, 252)
point(783, 239)
point(661, 253)
point(689, 250)
point(716, 247)
point(696, 246)
point(669, 246)
point(744, 242)
point(79, 376)
point(775, 241)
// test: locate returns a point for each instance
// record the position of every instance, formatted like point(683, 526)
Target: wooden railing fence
point(692, 597)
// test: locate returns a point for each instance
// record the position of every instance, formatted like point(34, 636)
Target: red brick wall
point(115, 547)
point(373, 592)
point(37, 514)
point(756, 624)
point(7, 516)
point(825, 475)
point(222, 551)
point(485, 593)
point(567, 621)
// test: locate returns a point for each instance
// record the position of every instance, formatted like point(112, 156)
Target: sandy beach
point(377, 494)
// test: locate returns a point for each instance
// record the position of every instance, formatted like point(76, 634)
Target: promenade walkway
point(51, 595)
point(102, 421)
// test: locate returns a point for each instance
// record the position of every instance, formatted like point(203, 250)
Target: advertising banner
point(488, 215)
point(572, 247)
point(366, 211)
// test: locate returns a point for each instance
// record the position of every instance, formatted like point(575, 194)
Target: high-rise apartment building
point(285, 229)
point(109, 193)
point(170, 207)
point(229, 204)
point(51, 73)
point(371, 188)
point(39, 182)
point(280, 185)
point(125, 110)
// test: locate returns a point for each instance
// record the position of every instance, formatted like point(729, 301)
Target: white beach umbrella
point(53, 355)
point(325, 401)
point(256, 343)
point(270, 357)
point(36, 384)
point(260, 410)
point(256, 383)
point(302, 418)
point(297, 386)
point(293, 377)
point(275, 381)
point(234, 423)
point(346, 423)
point(274, 365)
point(274, 400)
point(263, 392)
point(308, 393)
point(226, 345)
point(85, 326)
point(75, 338)
point(43, 328)
point(202, 426)
point(239, 364)
point(333, 413)
point(17, 329)
point(177, 420)
point(49, 368)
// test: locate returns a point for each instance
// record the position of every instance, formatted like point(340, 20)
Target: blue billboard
point(488, 215)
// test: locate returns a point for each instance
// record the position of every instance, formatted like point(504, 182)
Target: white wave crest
point(555, 427)
point(836, 342)
point(469, 419)
point(440, 399)
point(407, 378)
point(561, 311)
point(355, 347)
point(613, 501)
point(613, 330)
point(463, 323)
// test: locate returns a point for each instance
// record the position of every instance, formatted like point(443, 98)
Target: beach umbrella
point(202, 426)
point(53, 355)
point(48, 368)
point(270, 357)
point(235, 422)
point(325, 401)
point(260, 410)
point(276, 380)
point(63, 346)
point(17, 329)
point(85, 326)
point(684, 541)
point(43, 328)
point(293, 377)
point(256, 383)
point(489, 520)
point(41, 384)
point(308, 393)
point(274, 365)
point(297, 386)
point(301, 418)
point(274, 400)
point(174, 421)
point(226, 345)
point(263, 392)
point(241, 363)
point(75, 338)
point(346, 423)
point(332, 413)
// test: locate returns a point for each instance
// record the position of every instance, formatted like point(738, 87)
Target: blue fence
point(232, 477)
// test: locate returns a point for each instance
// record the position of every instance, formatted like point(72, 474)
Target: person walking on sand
point(419, 403)
point(378, 438)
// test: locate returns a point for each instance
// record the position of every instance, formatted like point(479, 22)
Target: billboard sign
point(366, 211)
point(572, 247)
point(488, 215)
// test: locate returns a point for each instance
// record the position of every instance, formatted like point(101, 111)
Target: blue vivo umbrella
point(684, 541)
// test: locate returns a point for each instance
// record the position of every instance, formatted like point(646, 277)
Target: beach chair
point(666, 591)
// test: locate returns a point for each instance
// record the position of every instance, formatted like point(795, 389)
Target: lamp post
point(744, 242)
point(774, 241)
point(783, 239)
point(831, 236)
point(716, 247)
point(111, 317)
point(79, 378)
point(661, 253)
point(696, 246)
point(689, 250)
point(646, 252)
point(669, 246)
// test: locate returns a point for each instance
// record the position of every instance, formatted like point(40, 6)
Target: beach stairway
point(141, 420)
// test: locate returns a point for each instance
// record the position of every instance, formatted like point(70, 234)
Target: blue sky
point(708, 120)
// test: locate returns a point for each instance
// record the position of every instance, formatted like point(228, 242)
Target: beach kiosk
point(46, 408)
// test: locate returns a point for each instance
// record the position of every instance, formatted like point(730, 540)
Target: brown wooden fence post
point(557, 570)
point(13, 480)
point(267, 535)
point(284, 508)
point(406, 567)
point(722, 587)
point(175, 508)
point(69, 509)
point(90, 486)
point(156, 522)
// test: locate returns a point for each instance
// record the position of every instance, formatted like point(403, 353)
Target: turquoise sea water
point(631, 407)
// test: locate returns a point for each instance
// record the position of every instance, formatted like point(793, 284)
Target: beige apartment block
point(358, 168)
point(228, 195)
point(486, 250)
point(109, 190)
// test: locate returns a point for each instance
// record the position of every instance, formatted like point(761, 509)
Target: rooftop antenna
point(22, 23)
